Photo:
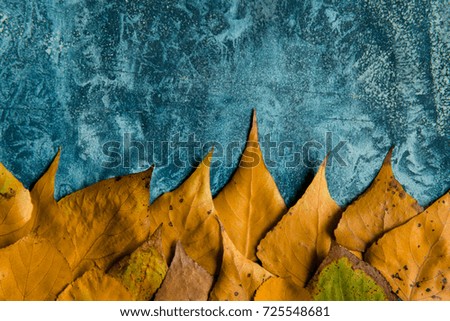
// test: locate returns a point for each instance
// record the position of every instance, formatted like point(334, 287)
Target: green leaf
point(344, 277)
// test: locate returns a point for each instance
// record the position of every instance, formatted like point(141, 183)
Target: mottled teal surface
point(79, 74)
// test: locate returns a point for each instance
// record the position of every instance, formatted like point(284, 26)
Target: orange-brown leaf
point(250, 204)
point(185, 280)
point(383, 206)
point(16, 208)
point(415, 257)
point(279, 289)
point(95, 285)
point(95, 225)
point(188, 215)
point(298, 243)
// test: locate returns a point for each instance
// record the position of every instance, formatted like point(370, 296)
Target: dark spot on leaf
point(209, 212)
point(402, 195)
point(405, 267)
point(9, 194)
point(181, 200)
point(417, 284)
point(393, 205)
point(419, 225)
point(236, 293)
point(418, 246)
point(170, 207)
point(443, 202)
point(249, 275)
point(170, 224)
point(147, 185)
point(118, 178)
point(427, 290)
point(396, 276)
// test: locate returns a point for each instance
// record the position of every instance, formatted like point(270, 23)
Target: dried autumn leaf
point(383, 206)
point(185, 280)
point(250, 204)
point(143, 271)
point(95, 285)
point(95, 225)
point(239, 277)
point(344, 277)
point(32, 269)
point(16, 208)
point(415, 257)
point(46, 212)
point(278, 289)
point(188, 215)
point(301, 240)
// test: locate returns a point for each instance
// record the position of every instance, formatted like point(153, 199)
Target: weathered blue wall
point(373, 73)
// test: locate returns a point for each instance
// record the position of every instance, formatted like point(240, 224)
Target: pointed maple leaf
point(185, 280)
point(32, 269)
point(16, 208)
point(188, 215)
point(299, 242)
point(415, 257)
point(383, 206)
point(239, 277)
point(96, 225)
point(250, 204)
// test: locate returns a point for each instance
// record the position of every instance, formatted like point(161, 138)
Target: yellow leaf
point(188, 215)
point(185, 280)
point(15, 208)
point(95, 285)
point(383, 206)
point(32, 269)
point(250, 204)
point(415, 257)
point(279, 289)
point(301, 240)
point(143, 271)
point(239, 277)
point(95, 225)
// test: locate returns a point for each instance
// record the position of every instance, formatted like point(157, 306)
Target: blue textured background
point(78, 74)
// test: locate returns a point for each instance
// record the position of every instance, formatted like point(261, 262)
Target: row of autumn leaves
point(105, 242)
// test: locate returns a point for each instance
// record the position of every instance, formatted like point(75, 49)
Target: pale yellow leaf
point(32, 269)
point(301, 240)
point(188, 215)
point(250, 204)
point(415, 257)
point(185, 280)
point(383, 206)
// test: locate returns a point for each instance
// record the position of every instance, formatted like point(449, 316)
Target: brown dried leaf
point(185, 280)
